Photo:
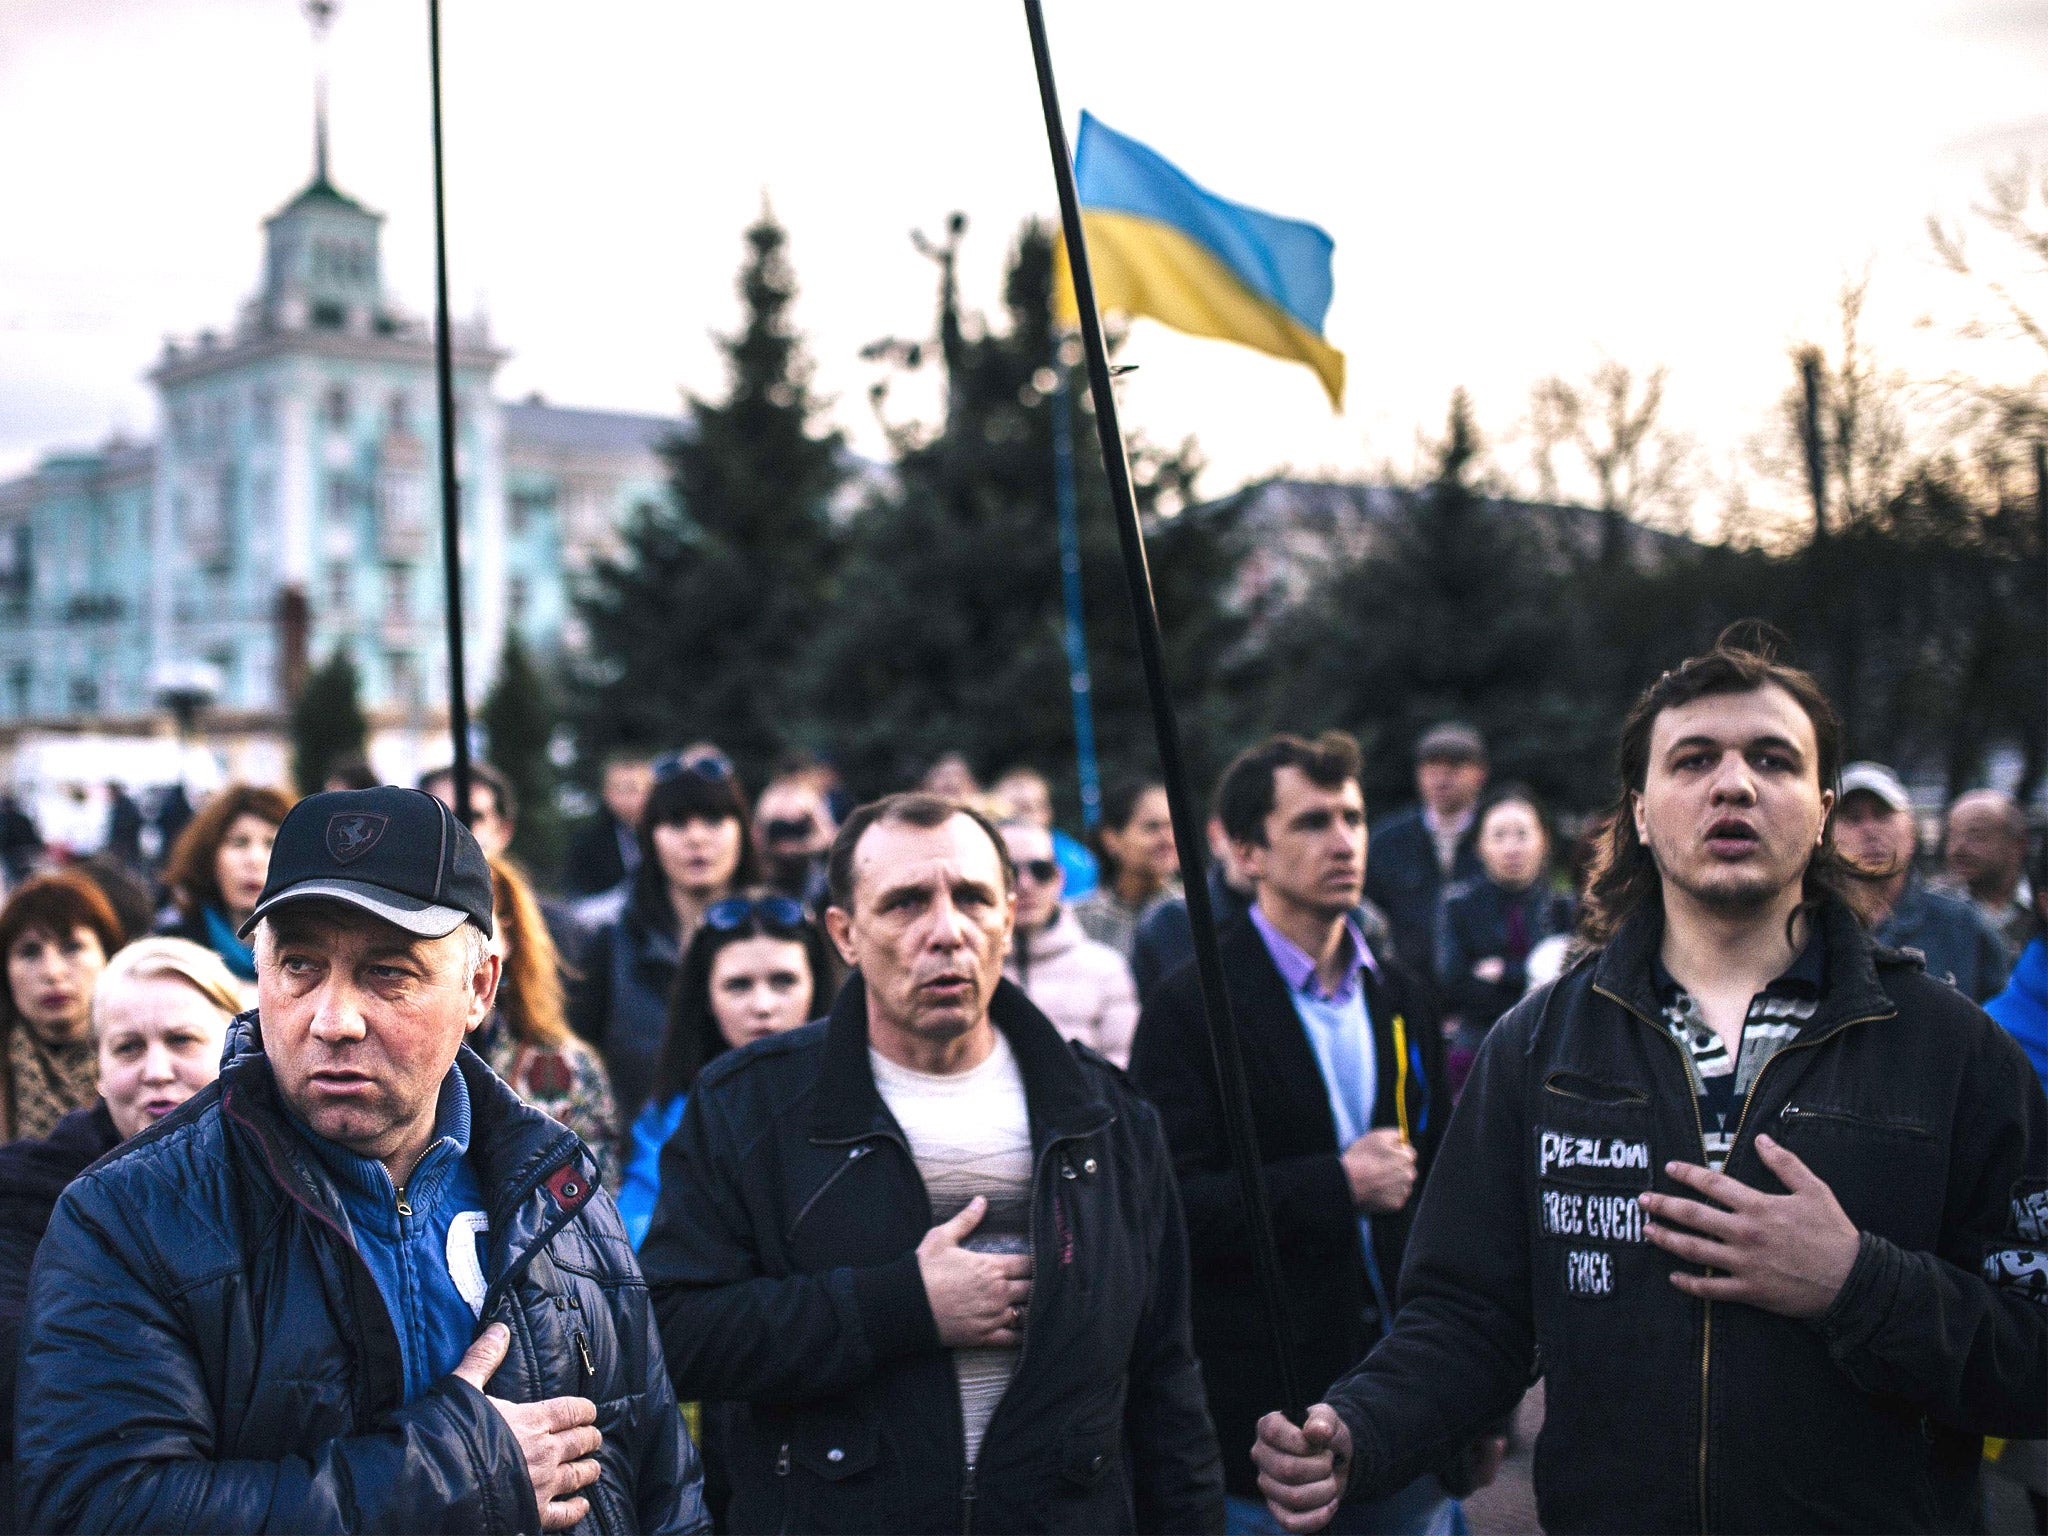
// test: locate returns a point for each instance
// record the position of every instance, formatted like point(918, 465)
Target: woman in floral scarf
point(56, 933)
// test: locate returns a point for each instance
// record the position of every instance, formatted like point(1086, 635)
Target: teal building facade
point(290, 506)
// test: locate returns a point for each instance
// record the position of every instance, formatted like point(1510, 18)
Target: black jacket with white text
point(1666, 1413)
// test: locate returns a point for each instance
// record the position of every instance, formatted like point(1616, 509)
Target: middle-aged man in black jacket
point(1768, 1202)
point(281, 1307)
point(1419, 853)
point(925, 1256)
point(1344, 1063)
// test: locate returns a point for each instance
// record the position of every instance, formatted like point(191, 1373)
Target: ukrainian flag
point(1162, 246)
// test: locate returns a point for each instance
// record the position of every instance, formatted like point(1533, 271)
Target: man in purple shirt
point(1343, 1060)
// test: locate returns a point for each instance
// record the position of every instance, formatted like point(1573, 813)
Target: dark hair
point(687, 795)
point(692, 1039)
point(125, 893)
point(1120, 799)
point(1518, 794)
point(1623, 875)
point(1244, 797)
point(189, 870)
point(503, 799)
point(62, 901)
point(353, 772)
point(913, 808)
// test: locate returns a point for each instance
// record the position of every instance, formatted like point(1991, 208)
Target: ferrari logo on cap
point(350, 837)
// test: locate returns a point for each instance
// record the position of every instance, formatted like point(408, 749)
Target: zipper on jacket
point(782, 1460)
point(1797, 1045)
point(583, 1349)
point(1038, 1181)
point(1706, 1307)
point(1794, 1112)
point(403, 1208)
point(1734, 1141)
point(853, 1155)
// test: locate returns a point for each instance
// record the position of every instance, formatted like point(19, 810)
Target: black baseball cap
point(398, 854)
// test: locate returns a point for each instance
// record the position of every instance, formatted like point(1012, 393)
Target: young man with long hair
point(1763, 1202)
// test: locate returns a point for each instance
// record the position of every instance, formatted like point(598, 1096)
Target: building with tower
point(290, 507)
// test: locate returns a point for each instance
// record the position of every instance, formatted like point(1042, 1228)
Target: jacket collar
point(848, 1106)
point(512, 1145)
point(1625, 970)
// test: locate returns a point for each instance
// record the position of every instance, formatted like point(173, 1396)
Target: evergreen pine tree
point(1452, 613)
point(327, 721)
point(946, 631)
point(696, 631)
point(519, 716)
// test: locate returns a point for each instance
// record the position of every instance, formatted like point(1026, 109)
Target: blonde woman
point(158, 1018)
point(527, 1039)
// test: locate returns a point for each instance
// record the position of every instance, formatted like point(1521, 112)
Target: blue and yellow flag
point(1162, 246)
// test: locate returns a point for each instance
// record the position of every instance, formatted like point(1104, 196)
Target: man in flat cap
point(1418, 852)
point(356, 1285)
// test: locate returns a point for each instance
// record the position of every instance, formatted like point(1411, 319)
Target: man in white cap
point(1875, 829)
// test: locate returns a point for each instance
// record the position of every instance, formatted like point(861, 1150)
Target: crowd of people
point(825, 1167)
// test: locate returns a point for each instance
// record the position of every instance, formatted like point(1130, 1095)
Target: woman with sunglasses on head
point(1083, 986)
point(758, 966)
point(527, 1039)
point(696, 848)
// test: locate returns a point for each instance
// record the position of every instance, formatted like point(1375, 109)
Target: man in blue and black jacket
point(1768, 1204)
point(356, 1285)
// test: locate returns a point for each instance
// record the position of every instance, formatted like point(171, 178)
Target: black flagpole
point(1187, 827)
point(451, 511)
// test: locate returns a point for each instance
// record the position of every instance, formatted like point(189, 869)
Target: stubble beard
point(1740, 894)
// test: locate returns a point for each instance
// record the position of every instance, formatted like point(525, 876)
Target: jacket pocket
point(1580, 1088)
point(835, 1449)
point(1091, 1447)
point(1887, 1170)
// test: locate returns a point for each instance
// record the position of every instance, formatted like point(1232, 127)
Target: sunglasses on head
point(1039, 871)
point(715, 766)
point(771, 911)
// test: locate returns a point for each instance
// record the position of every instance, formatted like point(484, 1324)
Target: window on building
point(516, 599)
point(222, 659)
point(341, 499)
point(263, 412)
point(398, 593)
point(402, 502)
point(20, 685)
point(336, 407)
point(398, 412)
point(85, 695)
point(404, 669)
point(338, 587)
point(17, 565)
point(526, 509)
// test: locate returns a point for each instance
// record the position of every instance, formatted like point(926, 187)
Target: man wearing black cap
point(356, 1285)
point(1416, 853)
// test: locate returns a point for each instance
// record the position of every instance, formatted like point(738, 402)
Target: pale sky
point(1514, 190)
